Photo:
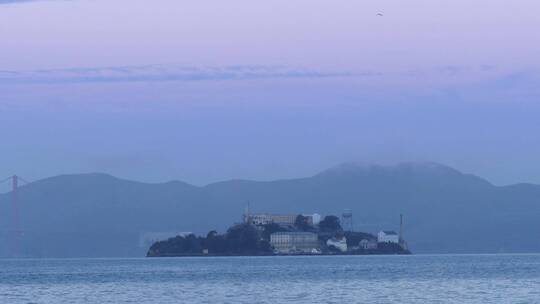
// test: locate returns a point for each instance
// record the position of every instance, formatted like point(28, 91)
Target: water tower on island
point(347, 220)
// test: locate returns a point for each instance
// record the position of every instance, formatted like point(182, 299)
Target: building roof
point(387, 232)
point(292, 233)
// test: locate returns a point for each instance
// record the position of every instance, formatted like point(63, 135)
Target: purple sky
point(209, 90)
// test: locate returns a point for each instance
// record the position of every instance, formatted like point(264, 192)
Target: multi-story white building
point(284, 219)
point(292, 242)
point(388, 237)
point(260, 219)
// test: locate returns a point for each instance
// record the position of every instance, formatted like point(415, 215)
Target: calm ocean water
point(358, 279)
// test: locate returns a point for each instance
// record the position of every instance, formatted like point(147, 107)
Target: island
point(267, 234)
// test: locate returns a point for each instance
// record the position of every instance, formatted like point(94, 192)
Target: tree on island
point(330, 223)
point(211, 234)
point(215, 243)
point(244, 239)
point(179, 245)
point(271, 228)
point(301, 223)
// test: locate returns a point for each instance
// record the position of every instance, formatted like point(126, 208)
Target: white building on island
point(388, 237)
point(261, 219)
point(287, 220)
point(294, 242)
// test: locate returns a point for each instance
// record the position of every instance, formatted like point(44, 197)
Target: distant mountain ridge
point(446, 211)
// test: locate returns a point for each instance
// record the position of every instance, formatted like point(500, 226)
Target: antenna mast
point(15, 206)
point(401, 228)
point(246, 213)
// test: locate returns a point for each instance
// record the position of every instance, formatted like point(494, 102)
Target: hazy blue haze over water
point(351, 279)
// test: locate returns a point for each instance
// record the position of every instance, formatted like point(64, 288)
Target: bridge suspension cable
point(14, 178)
point(5, 180)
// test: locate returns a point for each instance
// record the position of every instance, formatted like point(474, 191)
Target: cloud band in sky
point(15, 1)
point(161, 73)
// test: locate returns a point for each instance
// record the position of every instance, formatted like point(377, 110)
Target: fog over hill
point(446, 211)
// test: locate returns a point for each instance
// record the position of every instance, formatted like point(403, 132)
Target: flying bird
point(379, 14)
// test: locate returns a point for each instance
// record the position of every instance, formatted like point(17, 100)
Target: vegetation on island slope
point(241, 239)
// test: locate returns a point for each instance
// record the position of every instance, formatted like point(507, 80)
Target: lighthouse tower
point(402, 241)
